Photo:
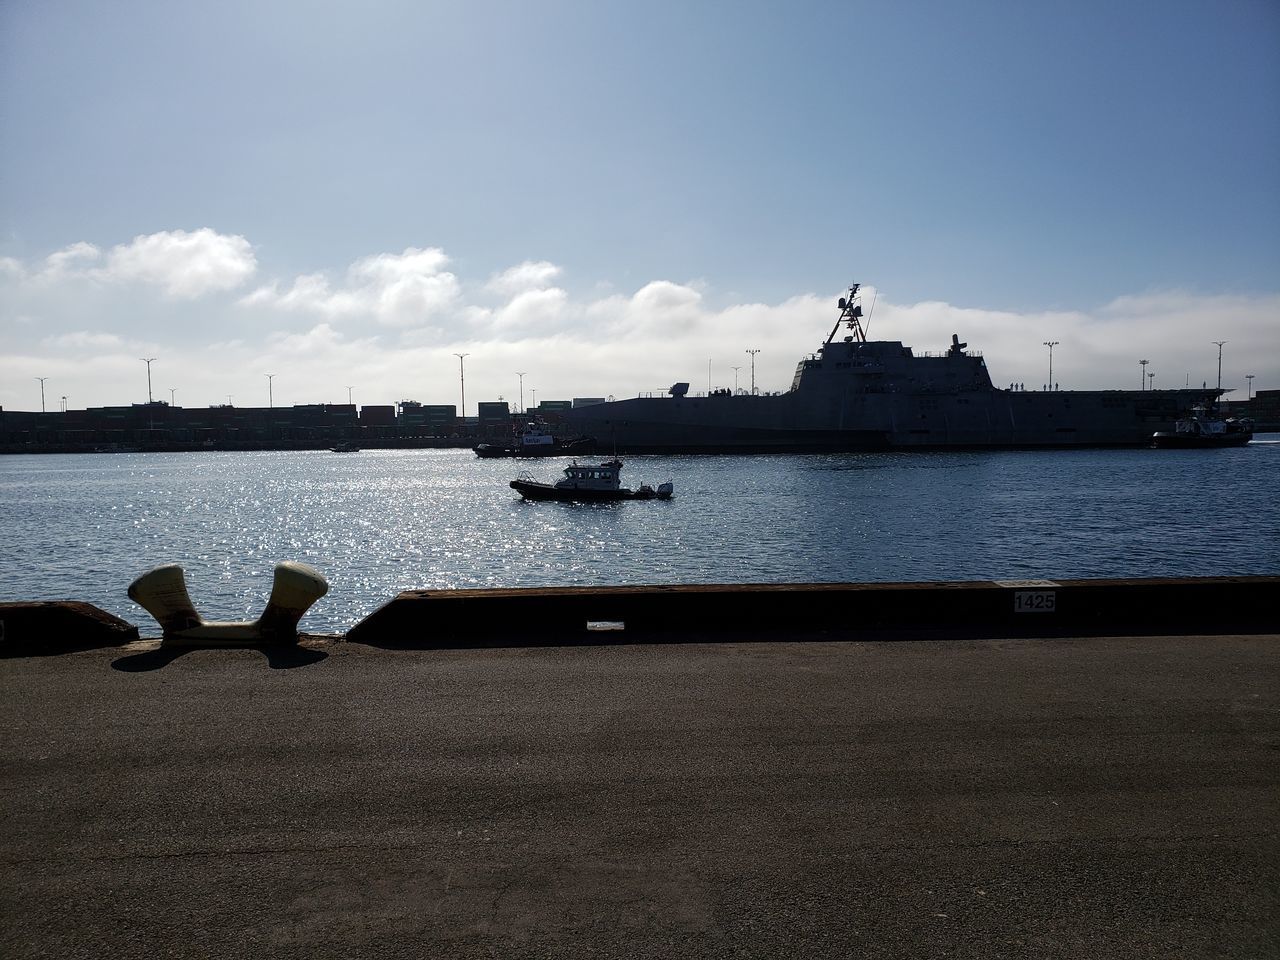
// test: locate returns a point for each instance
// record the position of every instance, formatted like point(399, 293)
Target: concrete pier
point(1068, 797)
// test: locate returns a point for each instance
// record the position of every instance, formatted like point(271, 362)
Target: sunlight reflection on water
point(374, 523)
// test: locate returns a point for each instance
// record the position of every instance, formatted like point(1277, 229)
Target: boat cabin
point(535, 435)
point(1206, 421)
point(602, 476)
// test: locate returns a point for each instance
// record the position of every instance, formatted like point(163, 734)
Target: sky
point(611, 197)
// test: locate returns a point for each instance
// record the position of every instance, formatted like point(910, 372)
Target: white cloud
point(543, 310)
point(660, 308)
point(57, 266)
point(320, 339)
point(530, 275)
point(664, 297)
point(185, 265)
point(386, 269)
point(310, 293)
point(67, 260)
point(400, 290)
point(83, 340)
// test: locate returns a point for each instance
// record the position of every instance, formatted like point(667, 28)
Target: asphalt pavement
point(1032, 798)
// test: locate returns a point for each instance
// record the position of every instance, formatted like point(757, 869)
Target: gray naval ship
point(860, 394)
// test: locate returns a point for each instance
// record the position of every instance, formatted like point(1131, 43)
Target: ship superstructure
point(860, 394)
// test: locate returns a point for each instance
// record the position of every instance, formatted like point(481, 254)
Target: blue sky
point(611, 194)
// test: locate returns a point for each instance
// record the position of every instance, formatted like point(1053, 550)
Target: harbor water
point(81, 527)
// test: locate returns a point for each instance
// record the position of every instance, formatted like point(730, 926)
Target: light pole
point(349, 397)
point(229, 400)
point(1151, 379)
point(462, 382)
point(753, 370)
point(172, 391)
point(1249, 377)
point(271, 401)
point(735, 380)
point(1051, 344)
point(147, 361)
point(42, 380)
point(520, 374)
point(535, 397)
point(64, 404)
point(708, 376)
point(1219, 343)
point(1142, 377)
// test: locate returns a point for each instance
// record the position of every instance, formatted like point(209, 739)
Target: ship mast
point(850, 313)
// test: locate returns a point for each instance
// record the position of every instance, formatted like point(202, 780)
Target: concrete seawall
point(550, 616)
point(56, 626)
point(982, 609)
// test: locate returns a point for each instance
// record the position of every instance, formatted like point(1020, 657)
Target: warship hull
point(784, 423)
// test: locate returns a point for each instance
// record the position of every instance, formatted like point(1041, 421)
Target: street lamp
point(349, 396)
point(1249, 377)
point(462, 382)
point(1219, 343)
point(1151, 379)
point(271, 402)
point(520, 374)
point(753, 370)
point(42, 380)
point(1142, 377)
point(172, 391)
point(147, 361)
point(735, 380)
point(64, 404)
point(1051, 344)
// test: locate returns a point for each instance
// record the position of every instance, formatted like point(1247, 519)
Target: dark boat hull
point(568, 448)
point(532, 490)
point(1183, 441)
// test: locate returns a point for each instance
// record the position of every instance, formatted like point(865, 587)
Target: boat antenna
point(850, 313)
point(872, 312)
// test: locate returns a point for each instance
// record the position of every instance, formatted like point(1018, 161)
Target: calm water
point(374, 523)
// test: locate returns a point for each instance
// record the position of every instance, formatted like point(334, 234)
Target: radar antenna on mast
point(850, 313)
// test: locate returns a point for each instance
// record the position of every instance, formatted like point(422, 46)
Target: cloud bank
point(182, 265)
point(399, 290)
point(388, 325)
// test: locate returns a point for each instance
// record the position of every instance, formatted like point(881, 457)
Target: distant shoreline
point(406, 443)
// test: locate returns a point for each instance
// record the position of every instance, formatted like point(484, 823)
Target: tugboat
point(589, 483)
point(1205, 427)
point(536, 441)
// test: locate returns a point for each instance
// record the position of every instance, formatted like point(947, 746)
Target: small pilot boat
point(1205, 427)
point(589, 483)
